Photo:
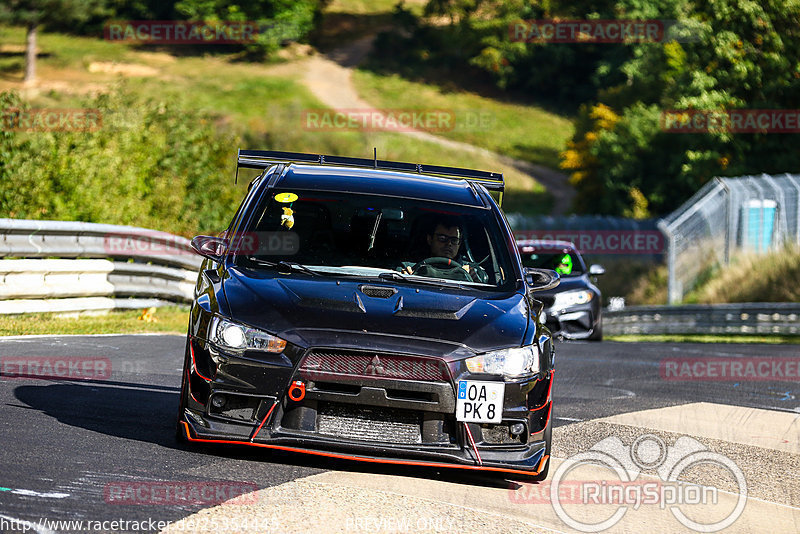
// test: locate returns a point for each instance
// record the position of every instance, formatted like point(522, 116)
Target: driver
point(444, 242)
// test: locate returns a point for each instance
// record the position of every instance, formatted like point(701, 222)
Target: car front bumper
point(576, 322)
point(365, 418)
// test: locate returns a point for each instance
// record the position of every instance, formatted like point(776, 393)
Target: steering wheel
point(437, 262)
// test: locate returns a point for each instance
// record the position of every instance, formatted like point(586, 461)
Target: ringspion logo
point(694, 506)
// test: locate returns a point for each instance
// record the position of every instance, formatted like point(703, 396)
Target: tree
point(283, 20)
point(34, 13)
point(742, 55)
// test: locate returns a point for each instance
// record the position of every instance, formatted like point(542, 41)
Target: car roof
point(546, 243)
point(380, 182)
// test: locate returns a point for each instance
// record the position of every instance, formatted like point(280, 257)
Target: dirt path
point(330, 79)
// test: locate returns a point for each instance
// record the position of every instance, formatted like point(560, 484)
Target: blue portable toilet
point(758, 220)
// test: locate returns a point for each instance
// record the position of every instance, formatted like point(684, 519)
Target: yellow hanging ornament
point(287, 219)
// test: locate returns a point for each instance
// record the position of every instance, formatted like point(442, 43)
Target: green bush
point(151, 163)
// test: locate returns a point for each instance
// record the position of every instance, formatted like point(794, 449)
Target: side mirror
point(541, 279)
point(596, 270)
point(210, 247)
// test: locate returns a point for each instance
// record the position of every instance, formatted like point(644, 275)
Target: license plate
point(480, 402)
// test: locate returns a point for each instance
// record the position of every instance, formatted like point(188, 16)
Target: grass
point(520, 131)
point(700, 338)
point(773, 277)
point(264, 104)
point(169, 319)
point(645, 287)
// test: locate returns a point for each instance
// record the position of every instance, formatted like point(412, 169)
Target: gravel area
point(307, 506)
point(770, 474)
point(376, 504)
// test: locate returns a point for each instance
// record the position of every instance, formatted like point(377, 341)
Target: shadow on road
point(122, 409)
point(147, 413)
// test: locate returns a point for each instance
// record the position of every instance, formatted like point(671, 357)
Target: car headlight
point(239, 337)
point(572, 298)
point(511, 363)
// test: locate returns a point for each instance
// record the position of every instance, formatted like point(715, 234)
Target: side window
point(246, 206)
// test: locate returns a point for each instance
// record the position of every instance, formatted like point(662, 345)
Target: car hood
point(320, 311)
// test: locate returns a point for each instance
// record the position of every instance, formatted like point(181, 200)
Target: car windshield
point(368, 235)
point(564, 261)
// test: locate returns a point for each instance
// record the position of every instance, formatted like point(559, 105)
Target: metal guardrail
point(781, 318)
point(67, 239)
point(160, 268)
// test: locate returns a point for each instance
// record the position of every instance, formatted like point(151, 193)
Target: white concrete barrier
point(161, 268)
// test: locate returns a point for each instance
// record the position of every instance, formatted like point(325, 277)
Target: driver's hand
point(408, 269)
point(472, 272)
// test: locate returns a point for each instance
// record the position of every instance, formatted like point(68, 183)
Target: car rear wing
point(262, 159)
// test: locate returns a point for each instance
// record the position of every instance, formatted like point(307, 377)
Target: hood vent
point(378, 292)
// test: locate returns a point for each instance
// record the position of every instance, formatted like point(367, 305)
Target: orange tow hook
point(297, 391)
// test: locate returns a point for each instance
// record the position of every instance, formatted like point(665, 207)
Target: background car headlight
point(231, 335)
point(572, 298)
point(511, 363)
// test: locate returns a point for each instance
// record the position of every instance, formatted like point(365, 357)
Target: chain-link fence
point(627, 248)
point(753, 214)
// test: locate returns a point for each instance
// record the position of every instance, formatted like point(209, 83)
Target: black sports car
point(573, 309)
point(370, 310)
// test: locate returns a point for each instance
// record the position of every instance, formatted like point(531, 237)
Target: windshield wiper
point(398, 277)
point(284, 265)
point(391, 275)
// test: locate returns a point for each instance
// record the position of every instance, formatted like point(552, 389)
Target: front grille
point(320, 363)
point(369, 424)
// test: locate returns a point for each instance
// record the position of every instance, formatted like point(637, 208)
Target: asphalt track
point(68, 445)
